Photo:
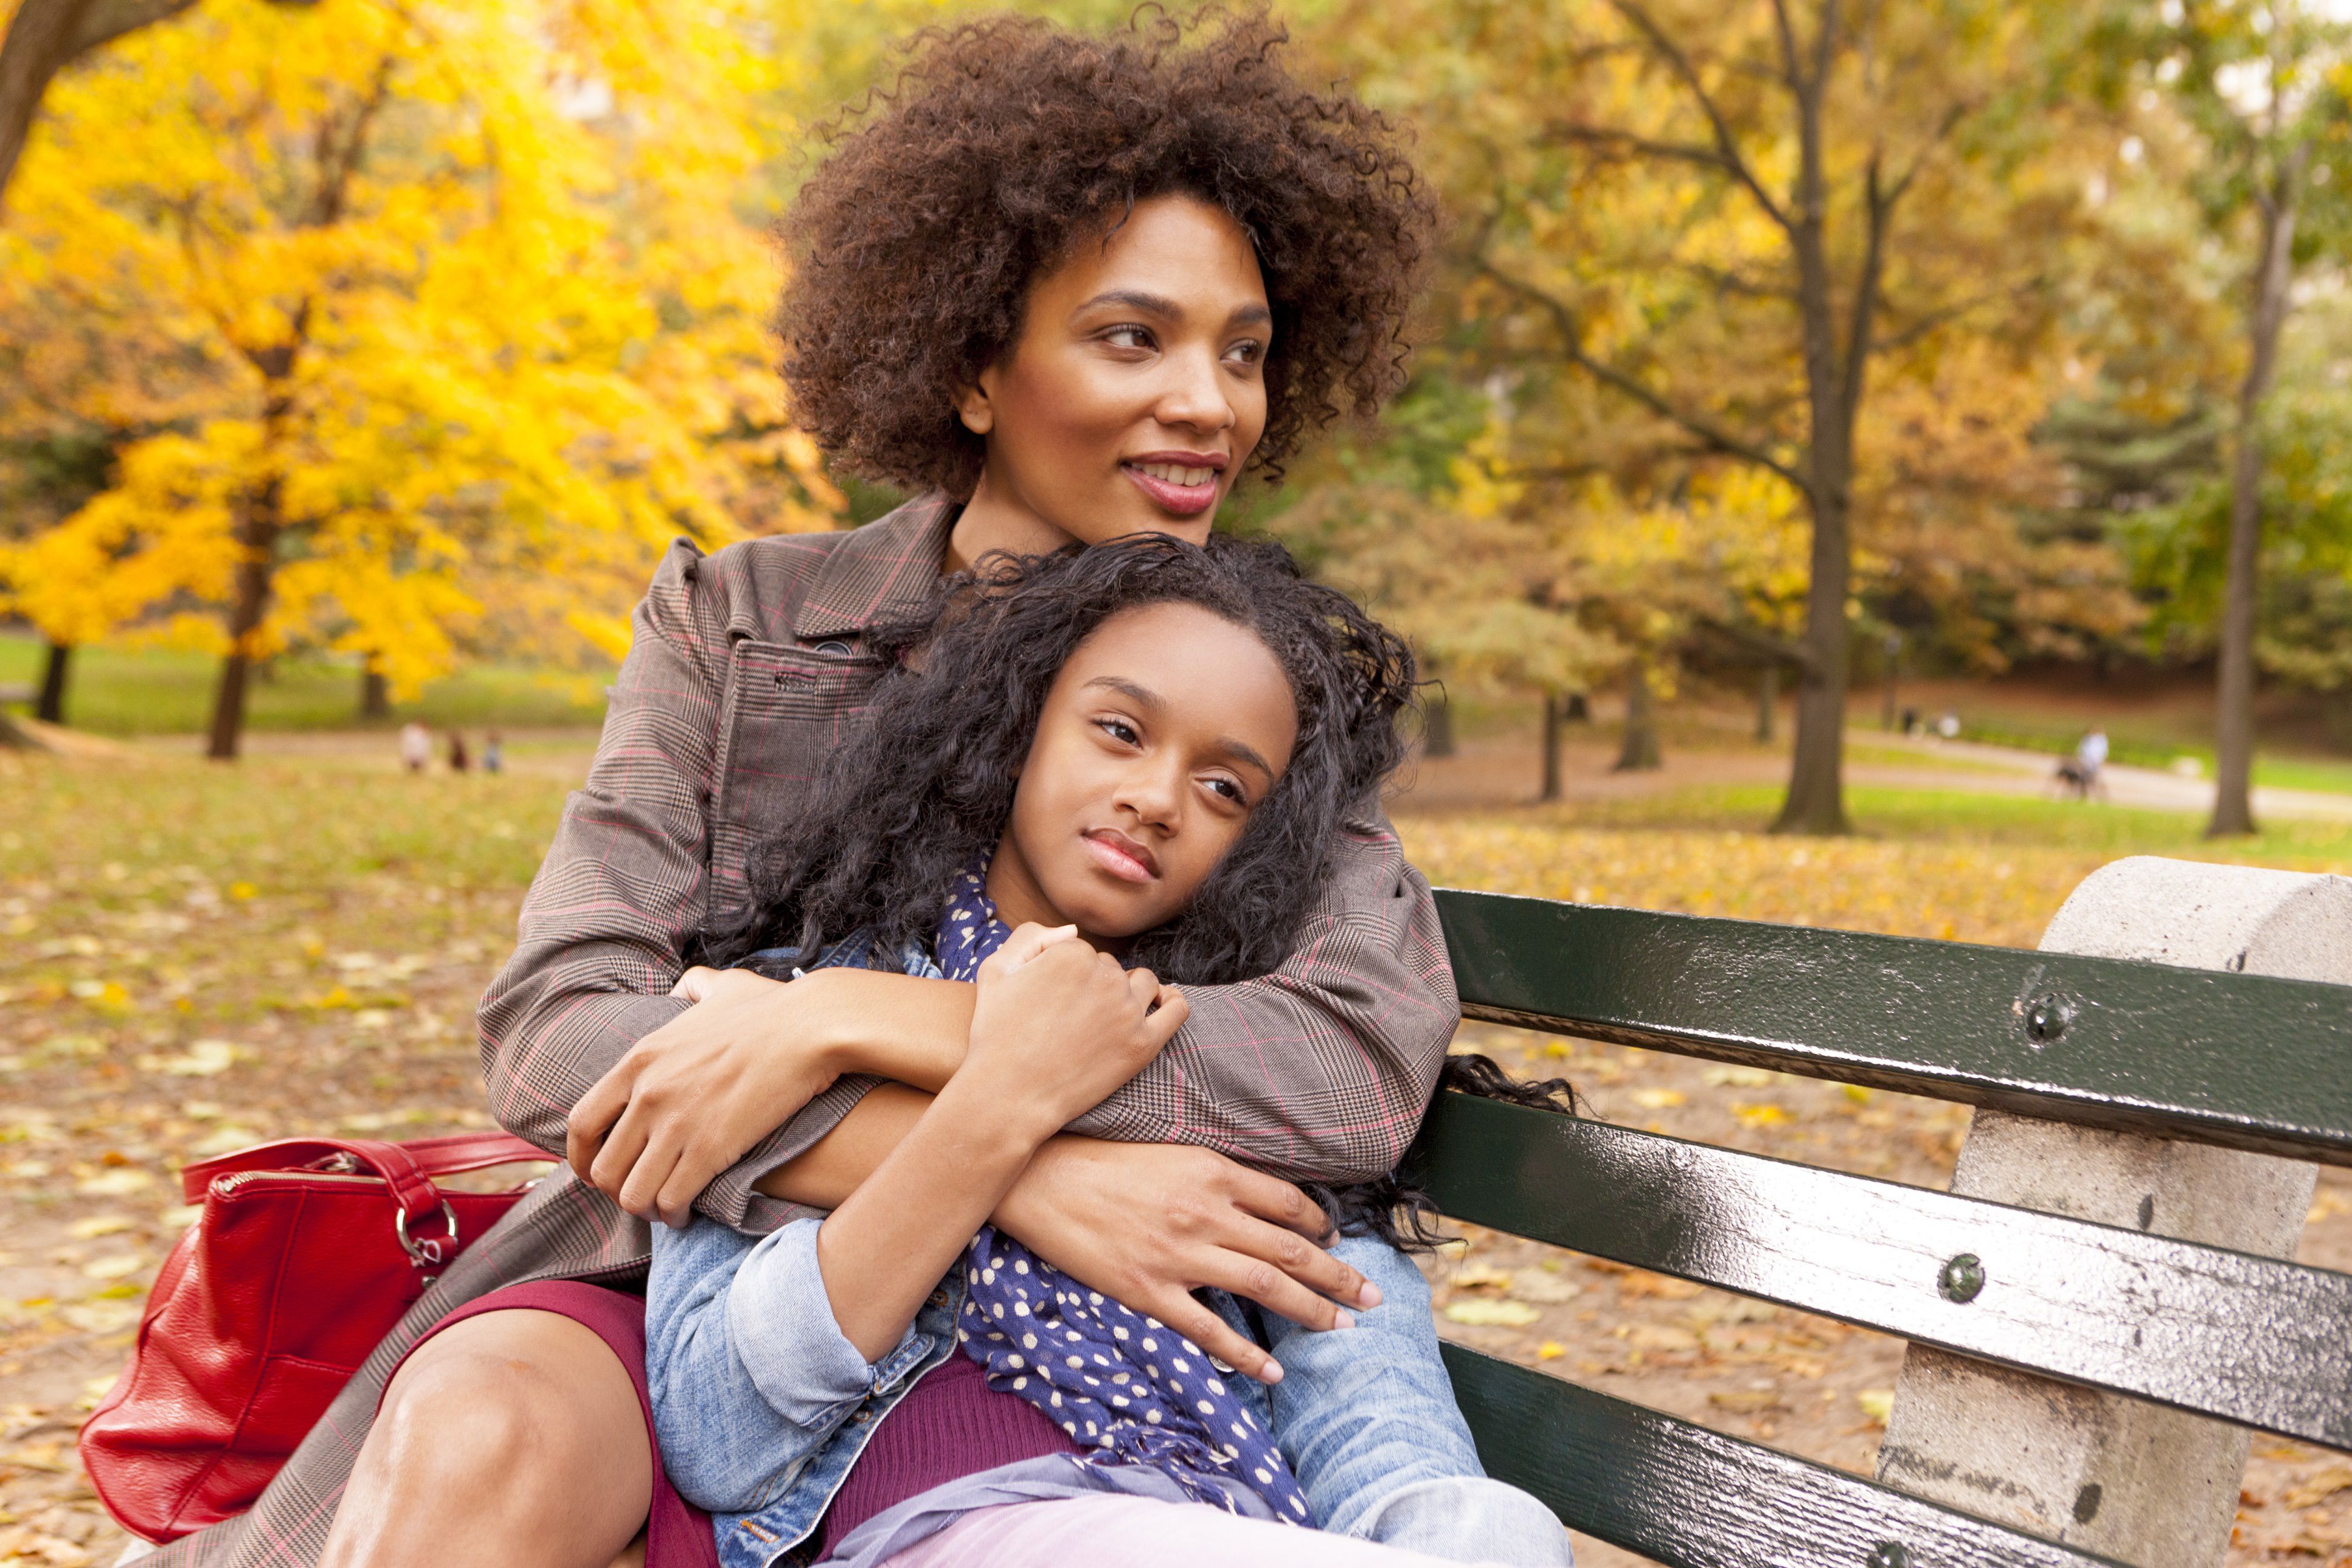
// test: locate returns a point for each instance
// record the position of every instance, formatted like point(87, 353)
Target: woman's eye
point(1230, 790)
point(1119, 729)
point(1246, 352)
point(1129, 336)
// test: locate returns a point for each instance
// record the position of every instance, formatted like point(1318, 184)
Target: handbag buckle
point(427, 1252)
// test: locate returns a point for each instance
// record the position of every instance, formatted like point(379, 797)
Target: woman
point(1072, 288)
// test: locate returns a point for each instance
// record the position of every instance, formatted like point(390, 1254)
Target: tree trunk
point(2234, 808)
point(1833, 380)
point(1555, 724)
point(1639, 753)
point(257, 542)
point(1437, 726)
point(375, 693)
point(1893, 646)
point(52, 709)
point(1816, 799)
point(44, 37)
point(1767, 700)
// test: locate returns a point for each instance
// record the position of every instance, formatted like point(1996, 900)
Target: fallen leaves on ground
point(201, 958)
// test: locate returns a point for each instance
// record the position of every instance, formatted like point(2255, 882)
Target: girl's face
point(1134, 392)
point(1160, 736)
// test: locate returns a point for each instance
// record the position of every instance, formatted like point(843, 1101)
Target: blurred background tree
point(1812, 241)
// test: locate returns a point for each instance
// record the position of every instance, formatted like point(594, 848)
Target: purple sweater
point(950, 1425)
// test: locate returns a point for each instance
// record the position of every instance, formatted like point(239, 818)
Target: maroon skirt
point(678, 1534)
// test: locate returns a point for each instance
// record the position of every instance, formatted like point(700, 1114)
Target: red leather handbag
point(308, 1252)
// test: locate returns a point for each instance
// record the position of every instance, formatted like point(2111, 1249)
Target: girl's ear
point(973, 407)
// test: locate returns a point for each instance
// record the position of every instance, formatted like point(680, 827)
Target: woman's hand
point(690, 1098)
point(1150, 1223)
point(1056, 1027)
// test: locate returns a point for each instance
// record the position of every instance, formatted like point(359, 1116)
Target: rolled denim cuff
point(780, 1324)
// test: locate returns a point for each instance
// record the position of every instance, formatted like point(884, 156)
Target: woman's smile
point(1186, 483)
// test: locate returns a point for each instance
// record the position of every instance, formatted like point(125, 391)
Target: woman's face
point(1134, 392)
point(1161, 735)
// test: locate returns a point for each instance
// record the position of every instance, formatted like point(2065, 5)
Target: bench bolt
point(1961, 1278)
point(2046, 1017)
point(1889, 1554)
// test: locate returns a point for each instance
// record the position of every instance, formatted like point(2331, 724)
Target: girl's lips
point(1183, 500)
point(1117, 859)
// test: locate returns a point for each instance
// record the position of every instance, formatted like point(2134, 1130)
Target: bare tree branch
point(1875, 208)
point(1726, 146)
point(46, 35)
point(1677, 151)
point(1952, 117)
point(103, 21)
point(1773, 647)
point(1714, 438)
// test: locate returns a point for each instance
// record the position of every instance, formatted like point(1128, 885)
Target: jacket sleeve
point(749, 1374)
point(605, 922)
point(1321, 1070)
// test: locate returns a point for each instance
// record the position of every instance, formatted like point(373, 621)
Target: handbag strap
point(408, 1169)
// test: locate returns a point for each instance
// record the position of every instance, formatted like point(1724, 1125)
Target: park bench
point(2069, 1373)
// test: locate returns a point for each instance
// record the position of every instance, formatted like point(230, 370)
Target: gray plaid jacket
point(745, 667)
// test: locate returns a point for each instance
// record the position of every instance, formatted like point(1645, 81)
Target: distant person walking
point(2080, 772)
point(415, 746)
point(494, 754)
point(458, 760)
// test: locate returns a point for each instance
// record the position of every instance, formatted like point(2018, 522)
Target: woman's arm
point(1145, 1223)
point(745, 1060)
point(1322, 1070)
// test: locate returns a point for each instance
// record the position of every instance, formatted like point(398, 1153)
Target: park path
point(1503, 770)
point(2010, 770)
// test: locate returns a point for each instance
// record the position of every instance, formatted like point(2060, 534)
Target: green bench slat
point(2244, 1061)
point(1692, 1498)
point(2253, 1339)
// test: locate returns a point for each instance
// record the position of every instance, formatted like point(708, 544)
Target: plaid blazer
point(745, 668)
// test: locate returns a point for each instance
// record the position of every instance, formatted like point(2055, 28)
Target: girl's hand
point(1056, 1027)
point(1148, 1224)
point(690, 1098)
point(1028, 940)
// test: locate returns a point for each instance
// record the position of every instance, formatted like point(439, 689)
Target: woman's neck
point(996, 518)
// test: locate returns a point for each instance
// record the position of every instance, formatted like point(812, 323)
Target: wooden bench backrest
point(2099, 1042)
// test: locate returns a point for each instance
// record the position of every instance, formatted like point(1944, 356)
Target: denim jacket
point(761, 1404)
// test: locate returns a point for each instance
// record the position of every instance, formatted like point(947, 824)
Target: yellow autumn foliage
point(477, 321)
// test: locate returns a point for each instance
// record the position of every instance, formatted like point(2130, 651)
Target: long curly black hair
point(926, 785)
point(1005, 141)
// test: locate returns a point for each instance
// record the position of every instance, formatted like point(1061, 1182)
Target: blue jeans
point(1367, 1418)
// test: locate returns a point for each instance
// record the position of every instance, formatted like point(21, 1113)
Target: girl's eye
point(1231, 790)
point(1249, 352)
point(1119, 729)
point(1129, 336)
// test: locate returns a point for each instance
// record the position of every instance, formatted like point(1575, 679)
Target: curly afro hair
point(915, 243)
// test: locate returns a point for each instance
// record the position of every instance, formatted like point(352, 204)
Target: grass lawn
point(164, 691)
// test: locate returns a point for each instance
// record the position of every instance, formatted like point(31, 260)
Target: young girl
point(1113, 769)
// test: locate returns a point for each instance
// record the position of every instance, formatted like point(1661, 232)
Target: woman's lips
point(1128, 862)
point(1183, 500)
